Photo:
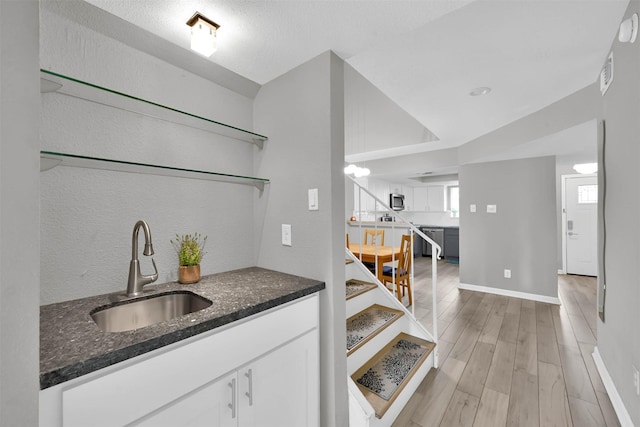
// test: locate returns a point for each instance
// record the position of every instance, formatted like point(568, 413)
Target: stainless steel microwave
point(396, 201)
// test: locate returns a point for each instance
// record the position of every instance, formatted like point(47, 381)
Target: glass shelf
point(50, 159)
point(65, 85)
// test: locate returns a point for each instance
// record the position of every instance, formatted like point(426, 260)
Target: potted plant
point(190, 249)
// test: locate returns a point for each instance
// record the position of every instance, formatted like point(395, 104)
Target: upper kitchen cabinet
point(429, 199)
point(408, 198)
point(380, 189)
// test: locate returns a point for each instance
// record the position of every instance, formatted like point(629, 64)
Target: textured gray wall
point(87, 215)
point(521, 236)
point(19, 213)
point(618, 336)
point(302, 112)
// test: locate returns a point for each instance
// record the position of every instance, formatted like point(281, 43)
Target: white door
point(581, 226)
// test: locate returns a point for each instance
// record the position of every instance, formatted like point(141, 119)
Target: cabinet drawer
point(121, 396)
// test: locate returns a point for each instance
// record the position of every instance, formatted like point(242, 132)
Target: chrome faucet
point(136, 279)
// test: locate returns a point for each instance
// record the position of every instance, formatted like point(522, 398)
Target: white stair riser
point(356, 304)
point(373, 346)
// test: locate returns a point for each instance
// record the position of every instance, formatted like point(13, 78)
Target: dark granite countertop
point(71, 344)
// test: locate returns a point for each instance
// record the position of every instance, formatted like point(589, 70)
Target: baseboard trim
point(561, 271)
point(616, 400)
point(510, 293)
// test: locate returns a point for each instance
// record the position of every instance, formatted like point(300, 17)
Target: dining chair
point(373, 237)
point(402, 272)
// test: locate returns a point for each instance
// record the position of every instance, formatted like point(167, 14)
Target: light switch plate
point(492, 209)
point(507, 274)
point(472, 208)
point(313, 199)
point(286, 234)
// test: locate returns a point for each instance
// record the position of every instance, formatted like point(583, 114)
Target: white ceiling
point(426, 56)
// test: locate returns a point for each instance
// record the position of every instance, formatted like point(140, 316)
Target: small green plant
point(190, 248)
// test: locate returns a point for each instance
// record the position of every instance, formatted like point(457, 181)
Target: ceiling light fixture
point(203, 34)
point(356, 171)
point(479, 91)
point(629, 29)
point(586, 168)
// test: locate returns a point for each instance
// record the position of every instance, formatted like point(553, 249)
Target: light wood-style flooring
point(508, 361)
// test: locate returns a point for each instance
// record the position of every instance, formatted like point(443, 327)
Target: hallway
point(509, 361)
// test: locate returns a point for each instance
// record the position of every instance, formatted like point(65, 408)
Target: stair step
point(363, 326)
point(384, 376)
point(356, 287)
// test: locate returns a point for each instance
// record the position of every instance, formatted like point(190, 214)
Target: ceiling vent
point(606, 75)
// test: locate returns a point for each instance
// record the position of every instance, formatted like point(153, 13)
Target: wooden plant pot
point(189, 274)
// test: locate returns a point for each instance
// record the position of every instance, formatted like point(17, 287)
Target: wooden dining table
point(368, 253)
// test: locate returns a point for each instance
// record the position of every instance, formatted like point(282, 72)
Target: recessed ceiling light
point(586, 168)
point(479, 91)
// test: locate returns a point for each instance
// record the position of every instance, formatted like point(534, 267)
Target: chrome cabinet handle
point(232, 405)
point(249, 394)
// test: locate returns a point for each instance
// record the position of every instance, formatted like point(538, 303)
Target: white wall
point(520, 236)
point(19, 234)
point(88, 215)
point(302, 112)
point(373, 122)
point(618, 337)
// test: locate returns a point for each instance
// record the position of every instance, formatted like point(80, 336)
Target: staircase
point(388, 352)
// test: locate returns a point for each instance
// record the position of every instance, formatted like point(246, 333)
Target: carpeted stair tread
point(363, 326)
point(386, 374)
point(355, 287)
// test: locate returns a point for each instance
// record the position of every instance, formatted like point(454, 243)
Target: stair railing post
point(434, 278)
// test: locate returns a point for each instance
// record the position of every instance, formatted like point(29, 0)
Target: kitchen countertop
point(395, 224)
point(378, 223)
point(72, 345)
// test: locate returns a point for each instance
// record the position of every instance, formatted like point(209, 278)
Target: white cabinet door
point(360, 198)
point(281, 388)
point(420, 199)
point(381, 192)
point(435, 198)
point(408, 198)
point(210, 405)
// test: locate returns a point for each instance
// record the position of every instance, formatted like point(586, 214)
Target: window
point(453, 201)
point(587, 194)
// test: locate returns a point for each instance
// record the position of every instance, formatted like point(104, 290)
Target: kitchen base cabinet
point(272, 357)
point(271, 391)
point(452, 245)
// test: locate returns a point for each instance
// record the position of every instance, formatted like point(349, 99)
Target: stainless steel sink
point(139, 313)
